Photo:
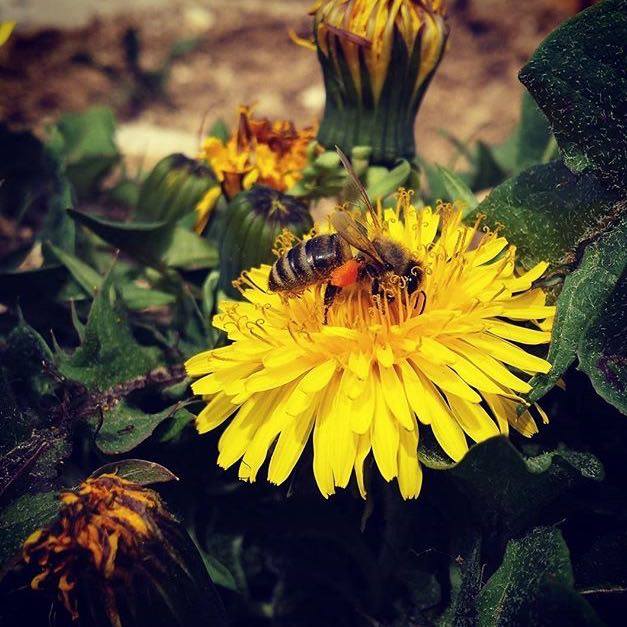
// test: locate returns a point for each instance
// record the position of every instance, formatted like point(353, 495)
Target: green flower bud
point(177, 187)
point(254, 220)
point(377, 58)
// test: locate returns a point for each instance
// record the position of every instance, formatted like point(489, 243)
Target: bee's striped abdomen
point(308, 262)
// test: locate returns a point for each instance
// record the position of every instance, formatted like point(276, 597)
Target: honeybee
point(329, 258)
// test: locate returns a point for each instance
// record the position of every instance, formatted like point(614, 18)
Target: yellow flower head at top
point(445, 357)
point(270, 153)
point(367, 28)
point(98, 537)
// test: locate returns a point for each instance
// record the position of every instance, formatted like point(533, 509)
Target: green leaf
point(532, 142)
point(577, 77)
point(137, 470)
point(86, 143)
point(157, 244)
point(456, 189)
point(178, 421)
point(125, 427)
point(84, 275)
point(581, 306)
point(389, 184)
point(532, 485)
point(547, 210)
point(188, 250)
point(110, 354)
point(509, 595)
point(602, 350)
point(23, 516)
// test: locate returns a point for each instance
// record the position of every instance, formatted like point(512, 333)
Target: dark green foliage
point(582, 312)
point(520, 532)
point(547, 210)
point(577, 76)
point(85, 143)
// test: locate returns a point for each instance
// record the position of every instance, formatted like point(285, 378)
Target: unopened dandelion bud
point(377, 58)
point(254, 220)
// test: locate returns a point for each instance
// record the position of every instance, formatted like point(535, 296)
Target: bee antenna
point(360, 186)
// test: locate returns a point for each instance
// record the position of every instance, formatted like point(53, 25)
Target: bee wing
point(363, 194)
point(354, 233)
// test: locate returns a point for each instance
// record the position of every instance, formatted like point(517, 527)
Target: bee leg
point(330, 292)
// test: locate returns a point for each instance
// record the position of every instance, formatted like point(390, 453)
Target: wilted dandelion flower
point(377, 58)
point(107, 530)
point(445, 358)
point(261, 151)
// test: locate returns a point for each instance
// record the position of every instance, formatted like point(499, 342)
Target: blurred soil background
point(67, 55)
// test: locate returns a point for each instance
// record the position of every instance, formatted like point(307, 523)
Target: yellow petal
point(499, 412)
point(469, 372)
point(446, 379)
point(362, 408)
point(445, 428)
point(215, 413)
point(384, 437)
point(409, 470)
point(494, 369)
point(524, 281)
point(240, 431)
point(265, 435)
point(488, 251)
point(321, 440)
point(290, 446)
point(363, 448)
point(270, 378)
point(474, 420)
point(415, 392)
point(509, 353)
point(517, 333)
point(395, 398)
point(309, 386)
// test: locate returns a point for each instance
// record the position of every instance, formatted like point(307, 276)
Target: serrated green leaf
point(137, 470)
point(546, 210)
point(509, 595)
point(602, 350)
point(577, 77)
point(580, 305)
point(125, 427)
point(110, 354)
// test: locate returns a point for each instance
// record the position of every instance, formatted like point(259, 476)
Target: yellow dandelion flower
point(101, 528)
point(270, 153)
point(446, 357)
point(377, 58)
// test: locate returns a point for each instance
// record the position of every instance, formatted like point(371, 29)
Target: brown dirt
point(245, 56)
